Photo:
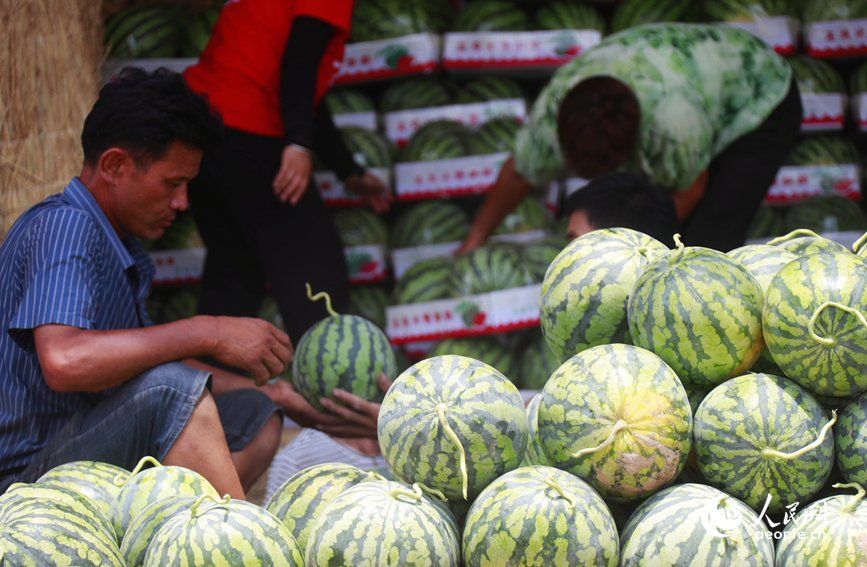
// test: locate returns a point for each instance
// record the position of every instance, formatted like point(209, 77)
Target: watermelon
point(617, 417)
point(429, 222)
point(494, 136)
point(803, 242)
point(631, 13)
point(383, 19)
point(586, 288)
point(491, 16)
point(768, 222)
point(418, 92)
point(826, 213)
point(144, 527)
point(537, 361)
point(701, 312)
point(858, 80)
point(539, 254)
point(694, 524)
point(341, 351)
point(368, 148)
point(360, 227)
point(488, 268)
point(484, 349)
point(563, 14)
point(815, 75)
point(35, 531)
point(91, 478)
point(142, 32)
point(830, 10)
point(695, 398)
point(814, 324)
point(452, 424)
point(436, 140)
point(368, 301)
point(764, 440)
point(426, 280)
point(183, 303)
point(539, 516)
point(223, 532)
point(535, 454)
point(825, 149)
point(181, 234)
point(144, 487)
point(850, 440)
point(304, 495)
point(270, 311)
point(196, 30)
point(487, 88)
point(530, 214)
point(749, 10)
point(345, 100)
point(384, 523)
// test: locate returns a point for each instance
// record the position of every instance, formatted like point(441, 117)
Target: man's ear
point(112, 163)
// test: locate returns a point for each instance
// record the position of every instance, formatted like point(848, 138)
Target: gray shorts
point(144, 417)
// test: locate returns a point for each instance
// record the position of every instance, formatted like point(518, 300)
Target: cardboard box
point(416, 181)
point(842, 38)
point(823, 111)
point(528, 54)
point(473, 315)
point(335, 194)
point(794, 183)
point(401, 125)
point(780, 32)
point(367, 120)
point(175, 267)
point(389, 58)
point(366, 264)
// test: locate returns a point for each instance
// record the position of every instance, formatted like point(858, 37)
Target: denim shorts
point(143, 417)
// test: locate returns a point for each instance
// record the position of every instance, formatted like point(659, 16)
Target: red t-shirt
point(239, 70)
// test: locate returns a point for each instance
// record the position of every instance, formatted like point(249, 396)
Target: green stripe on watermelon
point(91, 478)
point(368, 148)
point(530, 214)
point(494, 136)
point(815, 75)
point(538, 255)
point(144, 527)
point(561, 15)
point(484, 349)
point(631, 13)
point(348, 101)
point(420, 92)
point(489, 87)
point(488, 268)
point(426, 280)
point(360, 227)
point(429, 222)
point(850, 437)
point(491, 16)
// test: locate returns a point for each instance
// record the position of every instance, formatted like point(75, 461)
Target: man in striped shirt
point(84, 373)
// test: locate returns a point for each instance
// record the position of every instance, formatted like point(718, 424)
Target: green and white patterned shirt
point(700, 87)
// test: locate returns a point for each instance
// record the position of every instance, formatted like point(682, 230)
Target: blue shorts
point(144, 417)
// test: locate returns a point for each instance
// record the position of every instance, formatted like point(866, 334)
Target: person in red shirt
point(266, 69)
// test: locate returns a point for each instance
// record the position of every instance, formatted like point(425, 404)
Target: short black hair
point(144, 113)
point(628, 200)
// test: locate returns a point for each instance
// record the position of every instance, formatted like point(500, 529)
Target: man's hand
point(252, 344)
point(296, 407)
point(294, 175)
point(372, 189)
point(359, 415)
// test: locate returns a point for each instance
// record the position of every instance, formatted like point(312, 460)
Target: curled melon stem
point(677, 252)
point(375, 475)
point(441, 414)
point(850, 506)
point(398, 492)
point(553, 484)
point(208, 496)
point(769, 454)
point(618, 427)
point(433, 491)
point(319, 296)
point(793, 234)
point(135, 471)
point(831, 341)
point(856, 246)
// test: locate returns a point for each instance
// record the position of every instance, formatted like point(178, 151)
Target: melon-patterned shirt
point(699, 87)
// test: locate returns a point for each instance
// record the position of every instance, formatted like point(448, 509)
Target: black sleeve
point(330, 146)
point(307, 41)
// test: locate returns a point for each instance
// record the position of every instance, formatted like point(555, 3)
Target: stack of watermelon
point(159, 30)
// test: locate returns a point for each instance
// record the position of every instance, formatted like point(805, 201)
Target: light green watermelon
point(93, 479)
point(144, 527)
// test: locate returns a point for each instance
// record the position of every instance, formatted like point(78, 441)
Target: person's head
point(143, 141)
point(597, 126)
point(622, 199)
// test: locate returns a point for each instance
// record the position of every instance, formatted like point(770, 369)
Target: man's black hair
point(144, 113)
point(628, 200)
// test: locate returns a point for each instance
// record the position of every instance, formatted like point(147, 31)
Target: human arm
point(508, 191)
point(86, 360)
point(687, 200)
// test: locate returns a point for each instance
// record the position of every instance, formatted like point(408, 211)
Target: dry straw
point(50, 53)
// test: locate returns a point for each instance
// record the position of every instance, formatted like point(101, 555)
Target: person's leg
point(740, 177)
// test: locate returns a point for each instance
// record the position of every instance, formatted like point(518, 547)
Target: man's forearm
point(507, 193)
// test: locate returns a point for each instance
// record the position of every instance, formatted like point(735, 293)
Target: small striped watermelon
point(530, 214)
point(803, 242)
point(345, 100)
point(586, 288)
point(763, 439)
point(814, 324)
point(419, 92)
point(223, 532)
point(494, 136)
point(487, 88)
point(300, 500)
point(539, 516)
point(429, 222)
point(850, 440)
point(491, 267)
point(144, 31)
point(535, 453)
point(539, 254)
point(538, 362)
point(826, 213)
point(368, 148)
point(824, 149)
point(701, 312)
point(94, 479)
point(484, 349)
point(749, 10)
point(831, 10)
point(491, 16)
point(452, 424)
point(616, 416)
point(384, 523)
point(436, 140)
point(632, 13)
point(563, 14)
point(383, 19)
point(144, 527)
point(815, 75)
point(694, 524)
point(341, 351)
point(360, 227)
point(425, 281)
point(368, 301)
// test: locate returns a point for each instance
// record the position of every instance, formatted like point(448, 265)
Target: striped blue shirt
point(61, 262)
